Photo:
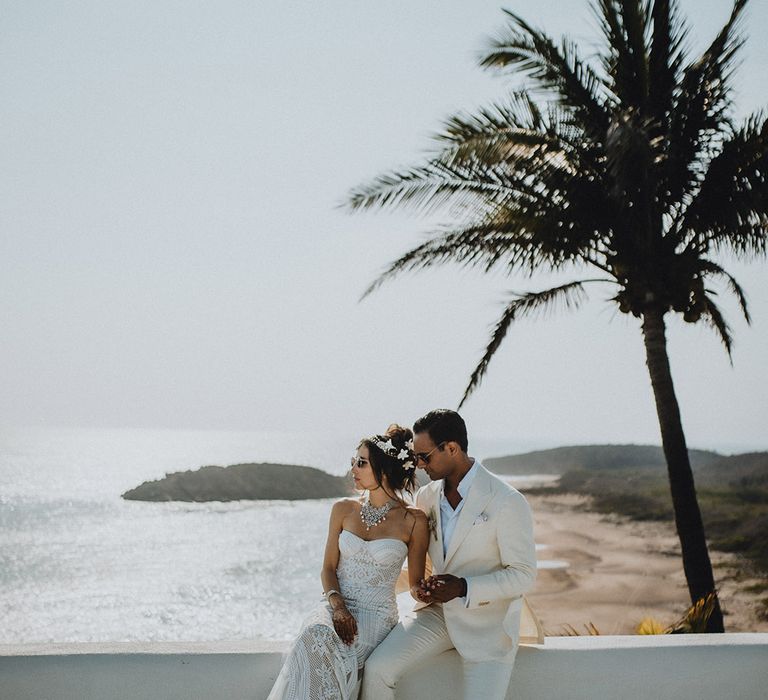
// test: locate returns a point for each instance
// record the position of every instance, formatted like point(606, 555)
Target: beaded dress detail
point(319, 665)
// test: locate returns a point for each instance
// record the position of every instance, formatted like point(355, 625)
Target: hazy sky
point(172, 253)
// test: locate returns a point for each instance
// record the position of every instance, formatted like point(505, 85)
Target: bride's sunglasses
point(358, 462)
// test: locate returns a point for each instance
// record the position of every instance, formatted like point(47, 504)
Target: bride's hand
point(421, 593)
point(345, 625)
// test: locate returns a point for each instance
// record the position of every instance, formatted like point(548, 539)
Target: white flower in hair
point(386, 447)
point(409, 445)
point(403, 454)
point(408, 465)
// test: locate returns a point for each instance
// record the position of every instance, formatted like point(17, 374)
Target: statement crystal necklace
point(372, 516)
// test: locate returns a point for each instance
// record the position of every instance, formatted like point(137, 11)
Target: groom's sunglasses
point(424, 456)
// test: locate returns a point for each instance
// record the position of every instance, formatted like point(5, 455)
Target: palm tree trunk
point(690, 528)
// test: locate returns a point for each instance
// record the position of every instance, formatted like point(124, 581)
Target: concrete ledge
point(679, 667)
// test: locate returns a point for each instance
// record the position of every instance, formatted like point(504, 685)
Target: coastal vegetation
point(242, 482)
point(634, 177)
point(631, 480)
point(558, 460)
point(693, 621)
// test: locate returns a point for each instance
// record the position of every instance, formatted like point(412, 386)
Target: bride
point(368, 540)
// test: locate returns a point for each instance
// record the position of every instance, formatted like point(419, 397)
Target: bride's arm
point(331, 557)
point(417, 550)
point(343, 620)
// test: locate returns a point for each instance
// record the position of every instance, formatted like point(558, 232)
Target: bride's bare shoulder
point(417, 514)
point(344, 506)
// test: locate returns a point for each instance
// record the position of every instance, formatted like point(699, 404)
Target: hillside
point(631, 480)
point(593, 458)
point(242, 482)
point(744, 470)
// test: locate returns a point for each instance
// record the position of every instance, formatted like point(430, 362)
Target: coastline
point(621, 571)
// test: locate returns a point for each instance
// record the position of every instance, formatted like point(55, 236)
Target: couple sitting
point(478, 533)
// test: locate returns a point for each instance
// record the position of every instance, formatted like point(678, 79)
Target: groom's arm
point(514, 536)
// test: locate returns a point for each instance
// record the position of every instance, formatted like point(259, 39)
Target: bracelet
point(329, 593)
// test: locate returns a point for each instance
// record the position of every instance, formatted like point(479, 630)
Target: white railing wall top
point(677, 667)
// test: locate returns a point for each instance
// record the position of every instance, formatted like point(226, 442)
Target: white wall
point(679, 667)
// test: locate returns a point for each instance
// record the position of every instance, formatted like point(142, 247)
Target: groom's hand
point(445, 587)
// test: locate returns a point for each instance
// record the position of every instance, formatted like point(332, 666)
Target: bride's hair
point(399, 476)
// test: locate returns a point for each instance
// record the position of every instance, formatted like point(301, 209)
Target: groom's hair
point(443, 425)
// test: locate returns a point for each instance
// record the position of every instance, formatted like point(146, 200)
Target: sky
point(173, 253)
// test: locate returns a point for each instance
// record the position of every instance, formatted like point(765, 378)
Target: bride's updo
point(391, 455)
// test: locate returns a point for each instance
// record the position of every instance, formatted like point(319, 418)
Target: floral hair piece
point(404, 455)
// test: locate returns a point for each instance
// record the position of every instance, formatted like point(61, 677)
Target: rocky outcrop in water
point(242, 482)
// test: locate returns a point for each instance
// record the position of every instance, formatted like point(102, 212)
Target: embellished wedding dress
point(319, 665)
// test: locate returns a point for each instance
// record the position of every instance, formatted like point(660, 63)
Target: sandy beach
point(621, 571)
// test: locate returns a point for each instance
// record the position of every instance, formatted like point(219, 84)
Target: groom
point(482, 550)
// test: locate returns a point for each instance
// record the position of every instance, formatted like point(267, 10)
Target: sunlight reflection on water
point(78, 563)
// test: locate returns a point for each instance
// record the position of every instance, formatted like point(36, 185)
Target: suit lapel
point(437, 545)
point(477, 498)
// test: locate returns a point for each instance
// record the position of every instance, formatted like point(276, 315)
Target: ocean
point(80, 564)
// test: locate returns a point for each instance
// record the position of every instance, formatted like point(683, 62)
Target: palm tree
point(632, 170)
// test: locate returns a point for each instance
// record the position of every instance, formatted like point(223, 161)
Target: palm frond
point(498, 132)
point(530, 182)
point(696, 617)
point(525, 154)
point(508, 131)
point(625, 25)
point(523, 236)
point(734, 192)
point(746, 240)
point(715, 319)
point(665, 60)
point(699, 113)
point(568, 630)
point(554, 68)
point(518, 113)
point(571, 295)
point(712, 268)
point(436, 184)
point(484, 245)
point(636, 20)
point(609, 19)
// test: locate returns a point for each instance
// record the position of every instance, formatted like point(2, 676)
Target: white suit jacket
point(493, 548)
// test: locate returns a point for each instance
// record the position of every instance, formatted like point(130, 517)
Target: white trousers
point(414, 641)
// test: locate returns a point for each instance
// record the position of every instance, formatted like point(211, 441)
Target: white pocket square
point(480, 519)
